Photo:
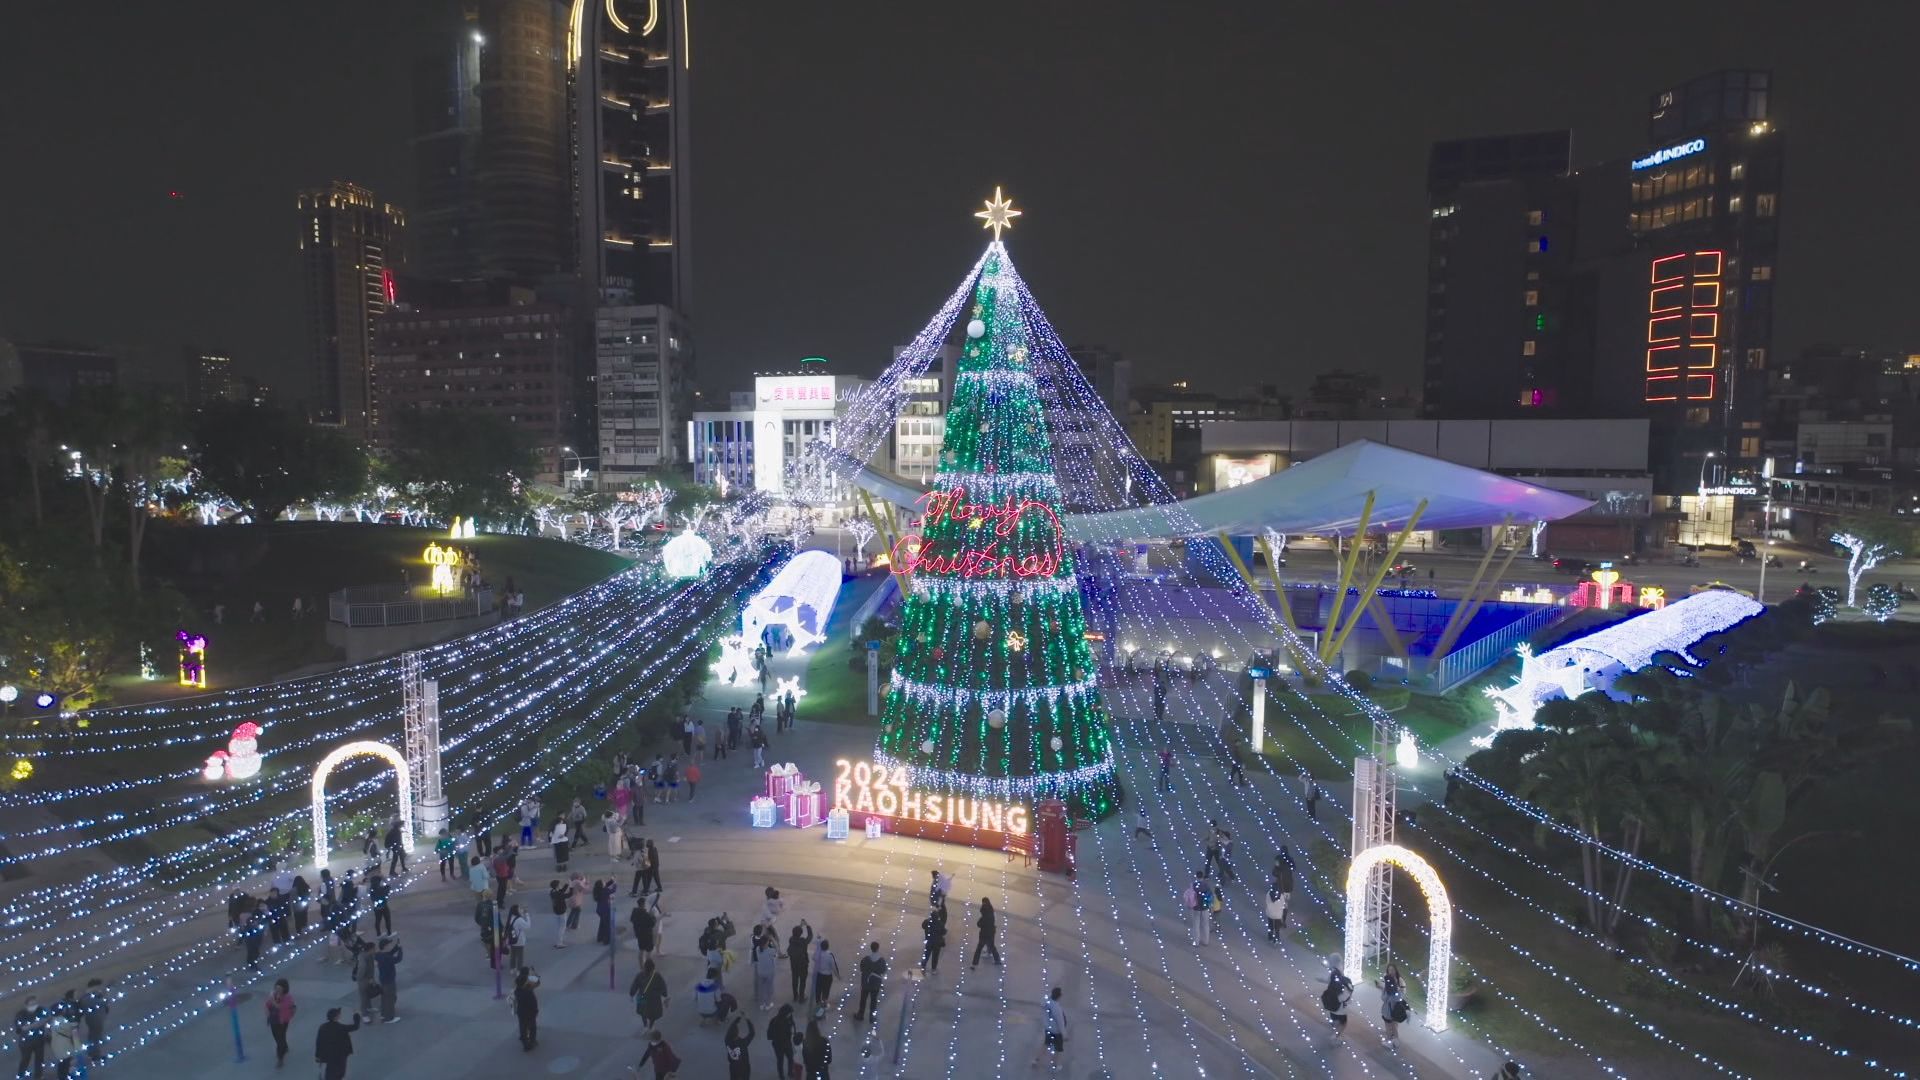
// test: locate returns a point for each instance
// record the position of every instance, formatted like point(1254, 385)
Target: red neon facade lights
point(1683, 326)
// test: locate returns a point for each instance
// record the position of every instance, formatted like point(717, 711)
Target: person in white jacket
point(1276, 911)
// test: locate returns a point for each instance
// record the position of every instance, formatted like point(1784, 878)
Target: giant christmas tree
point(995, 692)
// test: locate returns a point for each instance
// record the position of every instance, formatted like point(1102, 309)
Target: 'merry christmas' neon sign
point(914, 552)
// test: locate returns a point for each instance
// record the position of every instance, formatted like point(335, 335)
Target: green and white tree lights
point(995, 691)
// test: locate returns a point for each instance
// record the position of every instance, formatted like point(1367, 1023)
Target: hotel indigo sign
point(1661, 157)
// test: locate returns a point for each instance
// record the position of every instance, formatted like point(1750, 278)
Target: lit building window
point(1763, 273)
point(1533, 297)
point(1683, 326)
point(1765, 204)
point(1527, 347)
point(1534, 217)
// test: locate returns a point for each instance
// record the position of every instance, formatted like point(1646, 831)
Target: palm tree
point(30, 421)
point(1588, 779)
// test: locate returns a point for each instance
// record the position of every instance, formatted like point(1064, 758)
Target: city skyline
point(814, 188)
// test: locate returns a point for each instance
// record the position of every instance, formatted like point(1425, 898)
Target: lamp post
point(566, 484)
point(1766, 528)
point(1700, 497)
point(1260, 675)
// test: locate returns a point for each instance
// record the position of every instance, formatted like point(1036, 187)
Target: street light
point(566, 452)
point(1700, 499)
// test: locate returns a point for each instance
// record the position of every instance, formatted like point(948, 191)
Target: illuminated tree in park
point(994, 694)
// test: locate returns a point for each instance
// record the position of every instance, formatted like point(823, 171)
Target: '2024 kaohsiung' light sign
point(862, 787)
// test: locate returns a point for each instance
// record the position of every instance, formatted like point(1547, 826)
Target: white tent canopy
point(1319, 497)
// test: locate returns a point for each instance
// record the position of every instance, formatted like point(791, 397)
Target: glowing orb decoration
point(444, 562)
point(1056, 743)
point(193, 659)
point(789, 687)
point(687, 555)
point(927, 747)
point(22, 768)
point(735, 666)
point(1439, 910)
point(45, 699)
point(997, 719)
point(1406, 754)
point(8, 694)
point(976, 329)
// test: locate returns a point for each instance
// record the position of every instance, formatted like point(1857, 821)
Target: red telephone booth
point(1052, 839)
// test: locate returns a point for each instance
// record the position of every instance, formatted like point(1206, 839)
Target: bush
point(1360, 680)
point(1882, 602)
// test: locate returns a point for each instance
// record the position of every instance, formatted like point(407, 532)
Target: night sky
point(1230, 192)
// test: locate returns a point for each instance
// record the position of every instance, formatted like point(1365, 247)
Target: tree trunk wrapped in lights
point(995, 693)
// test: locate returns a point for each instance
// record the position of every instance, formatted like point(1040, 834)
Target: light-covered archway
point(1439, 909)
point(325, 769)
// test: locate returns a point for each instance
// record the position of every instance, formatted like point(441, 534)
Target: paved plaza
point(1141, 999)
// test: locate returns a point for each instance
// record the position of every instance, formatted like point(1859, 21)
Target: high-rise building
point(210, 378)
point(61, 369)
point(511, 360)
point(1705, 215)
point(522, 157)
point(644, 398)
point(445, 230)
point(350, 246)
point(630, 68)
point(1500, 240)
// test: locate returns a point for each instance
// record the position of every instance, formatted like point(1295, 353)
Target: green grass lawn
point(235, 565)
point(837, 691)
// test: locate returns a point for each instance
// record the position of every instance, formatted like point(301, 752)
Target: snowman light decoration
point(240, 760)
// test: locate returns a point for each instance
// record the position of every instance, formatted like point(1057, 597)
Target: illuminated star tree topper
point(998, 215)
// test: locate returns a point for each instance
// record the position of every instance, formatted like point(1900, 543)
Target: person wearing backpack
point(665, 1061)
point(1339, 991)
point(1203, 903)
point(1393, 1011)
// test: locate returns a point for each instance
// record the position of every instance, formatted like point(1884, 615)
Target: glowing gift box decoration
point(874, 822)
point(781, 780)
point(837, 824)
point(803, 805)
point(765, 811)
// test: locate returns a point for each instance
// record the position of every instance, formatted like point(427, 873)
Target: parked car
point(1720, 586)
point(1575, 567)
point(1744, 549)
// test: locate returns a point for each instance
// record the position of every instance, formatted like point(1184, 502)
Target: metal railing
point(1469, 660)
point(395, 605)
